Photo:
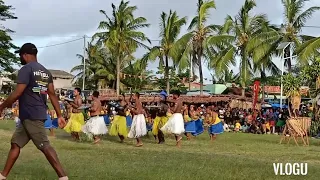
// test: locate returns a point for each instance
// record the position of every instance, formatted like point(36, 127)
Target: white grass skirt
point(175, 124)
point(95, 126)
point(138, 127)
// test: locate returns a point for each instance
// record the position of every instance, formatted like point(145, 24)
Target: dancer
point(119, 124)
point(175, 124)
point(189, 123)
point(196, 117)
point(95, 125)
point(160, 120)
point(215, 124)
point(34, 83)
point(138, 127)
point(76, 120)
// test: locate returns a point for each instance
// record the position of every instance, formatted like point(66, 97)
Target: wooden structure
point(243, 104)
point(295, 128)
point(232, 100)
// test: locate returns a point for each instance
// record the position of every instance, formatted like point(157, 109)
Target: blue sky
point(47, 22)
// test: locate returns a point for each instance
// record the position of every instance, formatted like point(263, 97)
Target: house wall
point(193, 86)
point(62, 83)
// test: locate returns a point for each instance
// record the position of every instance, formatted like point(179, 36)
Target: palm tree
point(201, 40)
point(121, 36)
point(295, 18)
point(99, 67)
point(138, 76)
point(253, 52)
point(170, 26)
point(227, 77)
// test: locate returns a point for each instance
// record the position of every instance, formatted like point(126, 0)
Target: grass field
point(232, 156)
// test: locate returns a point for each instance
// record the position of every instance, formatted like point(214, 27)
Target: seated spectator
point(244, 127)
point(237, 126)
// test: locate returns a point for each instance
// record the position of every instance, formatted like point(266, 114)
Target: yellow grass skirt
point(75, 123)
point(158, 122)
point(119, 126)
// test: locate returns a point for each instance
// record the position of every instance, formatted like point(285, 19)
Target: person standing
point(76, 120)
point(34, 83)
point(119, 124)
point(95, 125)
point(215, 124)
point(138, 127)
point(160, 120)
point(175, 124)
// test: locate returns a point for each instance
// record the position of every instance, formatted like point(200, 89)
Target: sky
point(47, 22)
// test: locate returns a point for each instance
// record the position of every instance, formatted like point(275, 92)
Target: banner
point(256, 90)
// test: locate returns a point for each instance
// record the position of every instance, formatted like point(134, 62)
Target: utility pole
point(84, 62)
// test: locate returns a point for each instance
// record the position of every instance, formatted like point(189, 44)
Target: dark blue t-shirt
point(33, 101)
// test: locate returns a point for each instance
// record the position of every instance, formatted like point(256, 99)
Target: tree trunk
point(166, 72)
point(118, 77)
point(200, 73)
point(244, 76)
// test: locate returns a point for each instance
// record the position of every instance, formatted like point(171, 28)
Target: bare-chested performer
point(95, 125)
point(76, 120)
point(175, 124)
point(138, 127)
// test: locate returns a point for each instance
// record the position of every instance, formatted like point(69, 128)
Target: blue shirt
point(33, 101)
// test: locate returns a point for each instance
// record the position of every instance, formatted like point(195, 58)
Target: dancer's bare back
point(178, 106)
point(95, 108)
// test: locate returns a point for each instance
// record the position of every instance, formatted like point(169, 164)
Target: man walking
point(34, 83)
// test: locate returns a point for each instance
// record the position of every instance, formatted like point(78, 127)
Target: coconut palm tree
point(170, 26)
point(121, 35)
point(253, 52)
point(99, 67)
point(138, 77)
point(202, 39)
point(295, 18)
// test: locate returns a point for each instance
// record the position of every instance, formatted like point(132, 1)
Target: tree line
point(247, 37)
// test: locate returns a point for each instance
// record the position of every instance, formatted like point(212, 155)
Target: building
point(61, 79)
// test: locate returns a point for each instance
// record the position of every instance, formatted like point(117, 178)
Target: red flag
point(256, 90)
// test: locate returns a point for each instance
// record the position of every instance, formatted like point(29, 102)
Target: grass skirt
point(138, 126)
point(106, 119)
point(129, 121)
point(216, 128)
point(118, 126)
point(190, 127)
point(158, 122)
point(199, 127)
point(75, 123)
point(175, 124)
point(95, 126)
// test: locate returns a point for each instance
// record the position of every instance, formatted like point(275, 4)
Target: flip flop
point(139, 145)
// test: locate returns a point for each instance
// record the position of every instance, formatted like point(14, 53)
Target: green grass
point(232, 156)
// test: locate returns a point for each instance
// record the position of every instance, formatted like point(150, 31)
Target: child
point(237, 126)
